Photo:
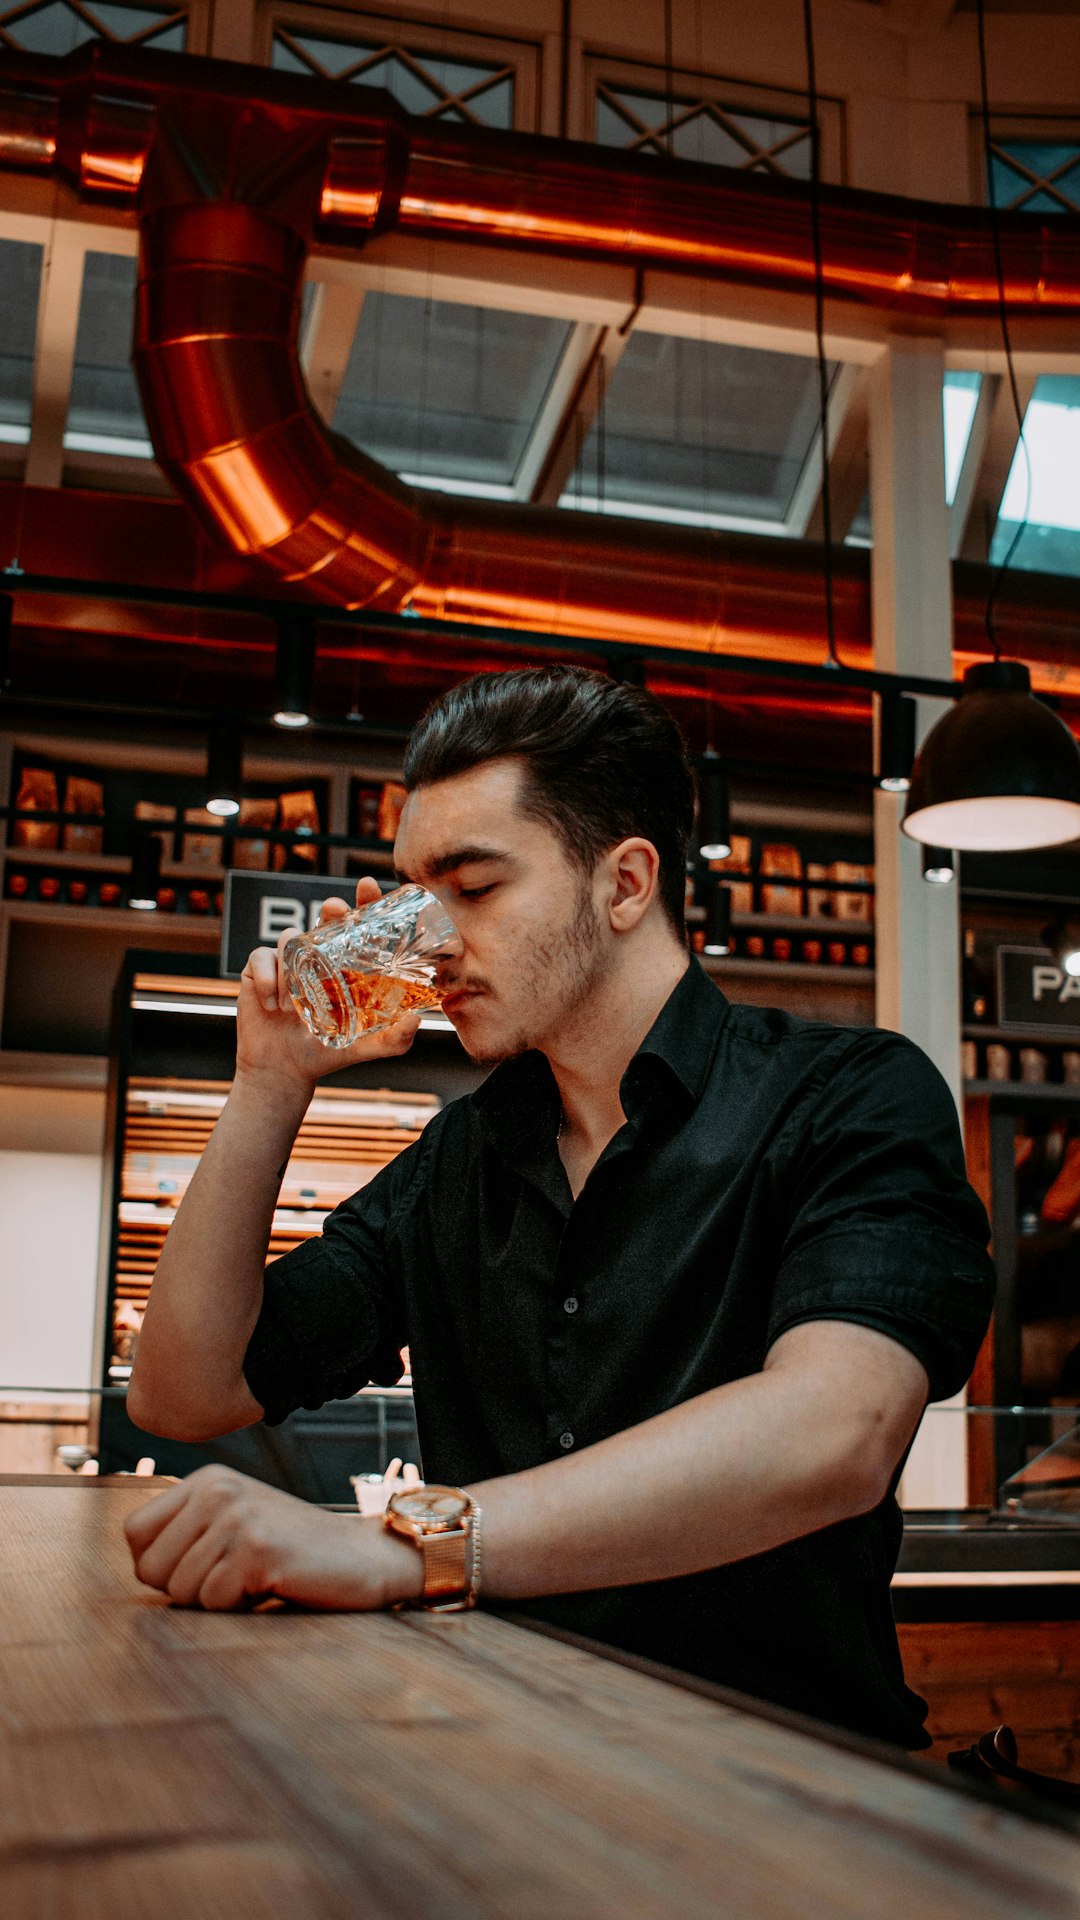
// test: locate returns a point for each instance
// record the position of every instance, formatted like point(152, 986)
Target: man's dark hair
point(603, 761)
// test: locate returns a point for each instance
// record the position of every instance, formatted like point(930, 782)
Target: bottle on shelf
point(975, 984)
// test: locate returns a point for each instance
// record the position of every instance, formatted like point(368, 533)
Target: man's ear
point(633, 874)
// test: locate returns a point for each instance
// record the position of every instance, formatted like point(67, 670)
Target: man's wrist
point(401, 1565)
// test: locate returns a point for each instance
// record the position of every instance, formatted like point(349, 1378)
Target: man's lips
point(457, 998)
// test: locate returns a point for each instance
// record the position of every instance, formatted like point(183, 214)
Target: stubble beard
point(571, 962)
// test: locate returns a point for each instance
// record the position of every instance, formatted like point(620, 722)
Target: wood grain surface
point(157, 1761)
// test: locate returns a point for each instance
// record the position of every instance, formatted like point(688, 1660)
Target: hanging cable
point(1003, 313)
point(819, 328)
point(669, 75)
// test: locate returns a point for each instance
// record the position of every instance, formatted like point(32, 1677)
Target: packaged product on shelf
point(78, 892)
point(49, 887)
point(969, 1060)
point(1070, 1068)
point(755, 946)
point(1032, 1065)
point(836, 953)
point(859, 953)
point(166, 899)
point(812, 951)
point(998, 1061)
point(850, 906)
point(18, 886)
point(781, 947)
point(738, 861)
point(391, 800)
point(198, 900)
point(254, 852)
point(780, 862)
point(367, 813)
point(109, 893)
point(149, 812)
point(37, 794)
point(83, 796)
point(297, 813)
point(201, 849)
point(818, 902)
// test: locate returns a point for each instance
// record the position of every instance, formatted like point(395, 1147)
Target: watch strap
point(446, 1582)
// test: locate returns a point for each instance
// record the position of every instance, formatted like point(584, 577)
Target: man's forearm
point(729, 1474)
point(187, 1380)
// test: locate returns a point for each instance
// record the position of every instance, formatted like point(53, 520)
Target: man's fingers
point(262, 972)
point(367, 892)
point(156, 1562)
point(144, 1525)
point(185, 1581)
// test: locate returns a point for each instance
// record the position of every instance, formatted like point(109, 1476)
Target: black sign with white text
point(261, 906)
point(1035, 993)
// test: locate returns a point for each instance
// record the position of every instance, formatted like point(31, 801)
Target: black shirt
point(770, 1171)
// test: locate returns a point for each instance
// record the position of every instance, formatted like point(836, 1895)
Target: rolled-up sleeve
point(882, 1226)
point(333, 1317)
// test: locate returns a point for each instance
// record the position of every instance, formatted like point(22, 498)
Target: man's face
point(535, 946)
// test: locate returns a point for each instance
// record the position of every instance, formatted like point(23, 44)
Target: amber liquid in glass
point(377, 997)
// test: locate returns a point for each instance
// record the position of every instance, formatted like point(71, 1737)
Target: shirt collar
point(519, 1101)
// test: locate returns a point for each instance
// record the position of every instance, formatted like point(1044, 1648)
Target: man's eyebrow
point(445, 863)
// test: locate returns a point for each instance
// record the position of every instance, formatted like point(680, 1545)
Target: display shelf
point(737, 965)
point(134, 920)
point(1049, 1092)
point(117, 863)
point(812, 926)
point(1026, 1036)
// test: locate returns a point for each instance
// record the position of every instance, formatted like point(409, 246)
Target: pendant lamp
point(145, 872)
point(718, 920)
point(294, 672)
point(224, 771)
point(714, 808)
point(1000, 772)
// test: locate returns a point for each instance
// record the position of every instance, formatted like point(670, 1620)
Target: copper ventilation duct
point(235, 171)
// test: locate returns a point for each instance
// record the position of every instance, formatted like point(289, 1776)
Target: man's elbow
point(154, 1414)
point(863, 1477)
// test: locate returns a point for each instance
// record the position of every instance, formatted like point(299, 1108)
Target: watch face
point(431, 1506)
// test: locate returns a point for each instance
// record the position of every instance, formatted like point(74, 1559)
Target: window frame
point(417, 34)
point(1063, 126)
point(736, 96)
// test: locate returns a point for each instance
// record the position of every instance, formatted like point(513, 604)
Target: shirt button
point(570, 1304)
point(566, 1441)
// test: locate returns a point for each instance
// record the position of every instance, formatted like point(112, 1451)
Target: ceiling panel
point(696, 428)
point(444, 392)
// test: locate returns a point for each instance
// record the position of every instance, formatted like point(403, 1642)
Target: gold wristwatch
point(440, 1521)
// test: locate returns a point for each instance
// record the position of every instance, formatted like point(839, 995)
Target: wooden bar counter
point(159, 1763)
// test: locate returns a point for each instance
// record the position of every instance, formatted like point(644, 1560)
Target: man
point(677, 1280)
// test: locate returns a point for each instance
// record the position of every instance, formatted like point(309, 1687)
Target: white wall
point(51, 1144)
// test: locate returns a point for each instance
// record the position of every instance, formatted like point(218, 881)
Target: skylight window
point(959, 398)
point(1050, 542)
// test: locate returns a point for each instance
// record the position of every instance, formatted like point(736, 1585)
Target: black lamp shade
point(718, 919)
point(938, 865)
point(295, 672)
point(998, 773)
point(145, 871)
point(224, 771)
point(896, 742)
point(714, 813)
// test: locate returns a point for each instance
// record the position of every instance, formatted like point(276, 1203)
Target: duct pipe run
point(237, 170)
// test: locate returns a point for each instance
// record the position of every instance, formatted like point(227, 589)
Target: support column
point(918, 957)
point(917, 925)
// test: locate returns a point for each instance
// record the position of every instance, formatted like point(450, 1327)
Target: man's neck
point(591, 1056)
